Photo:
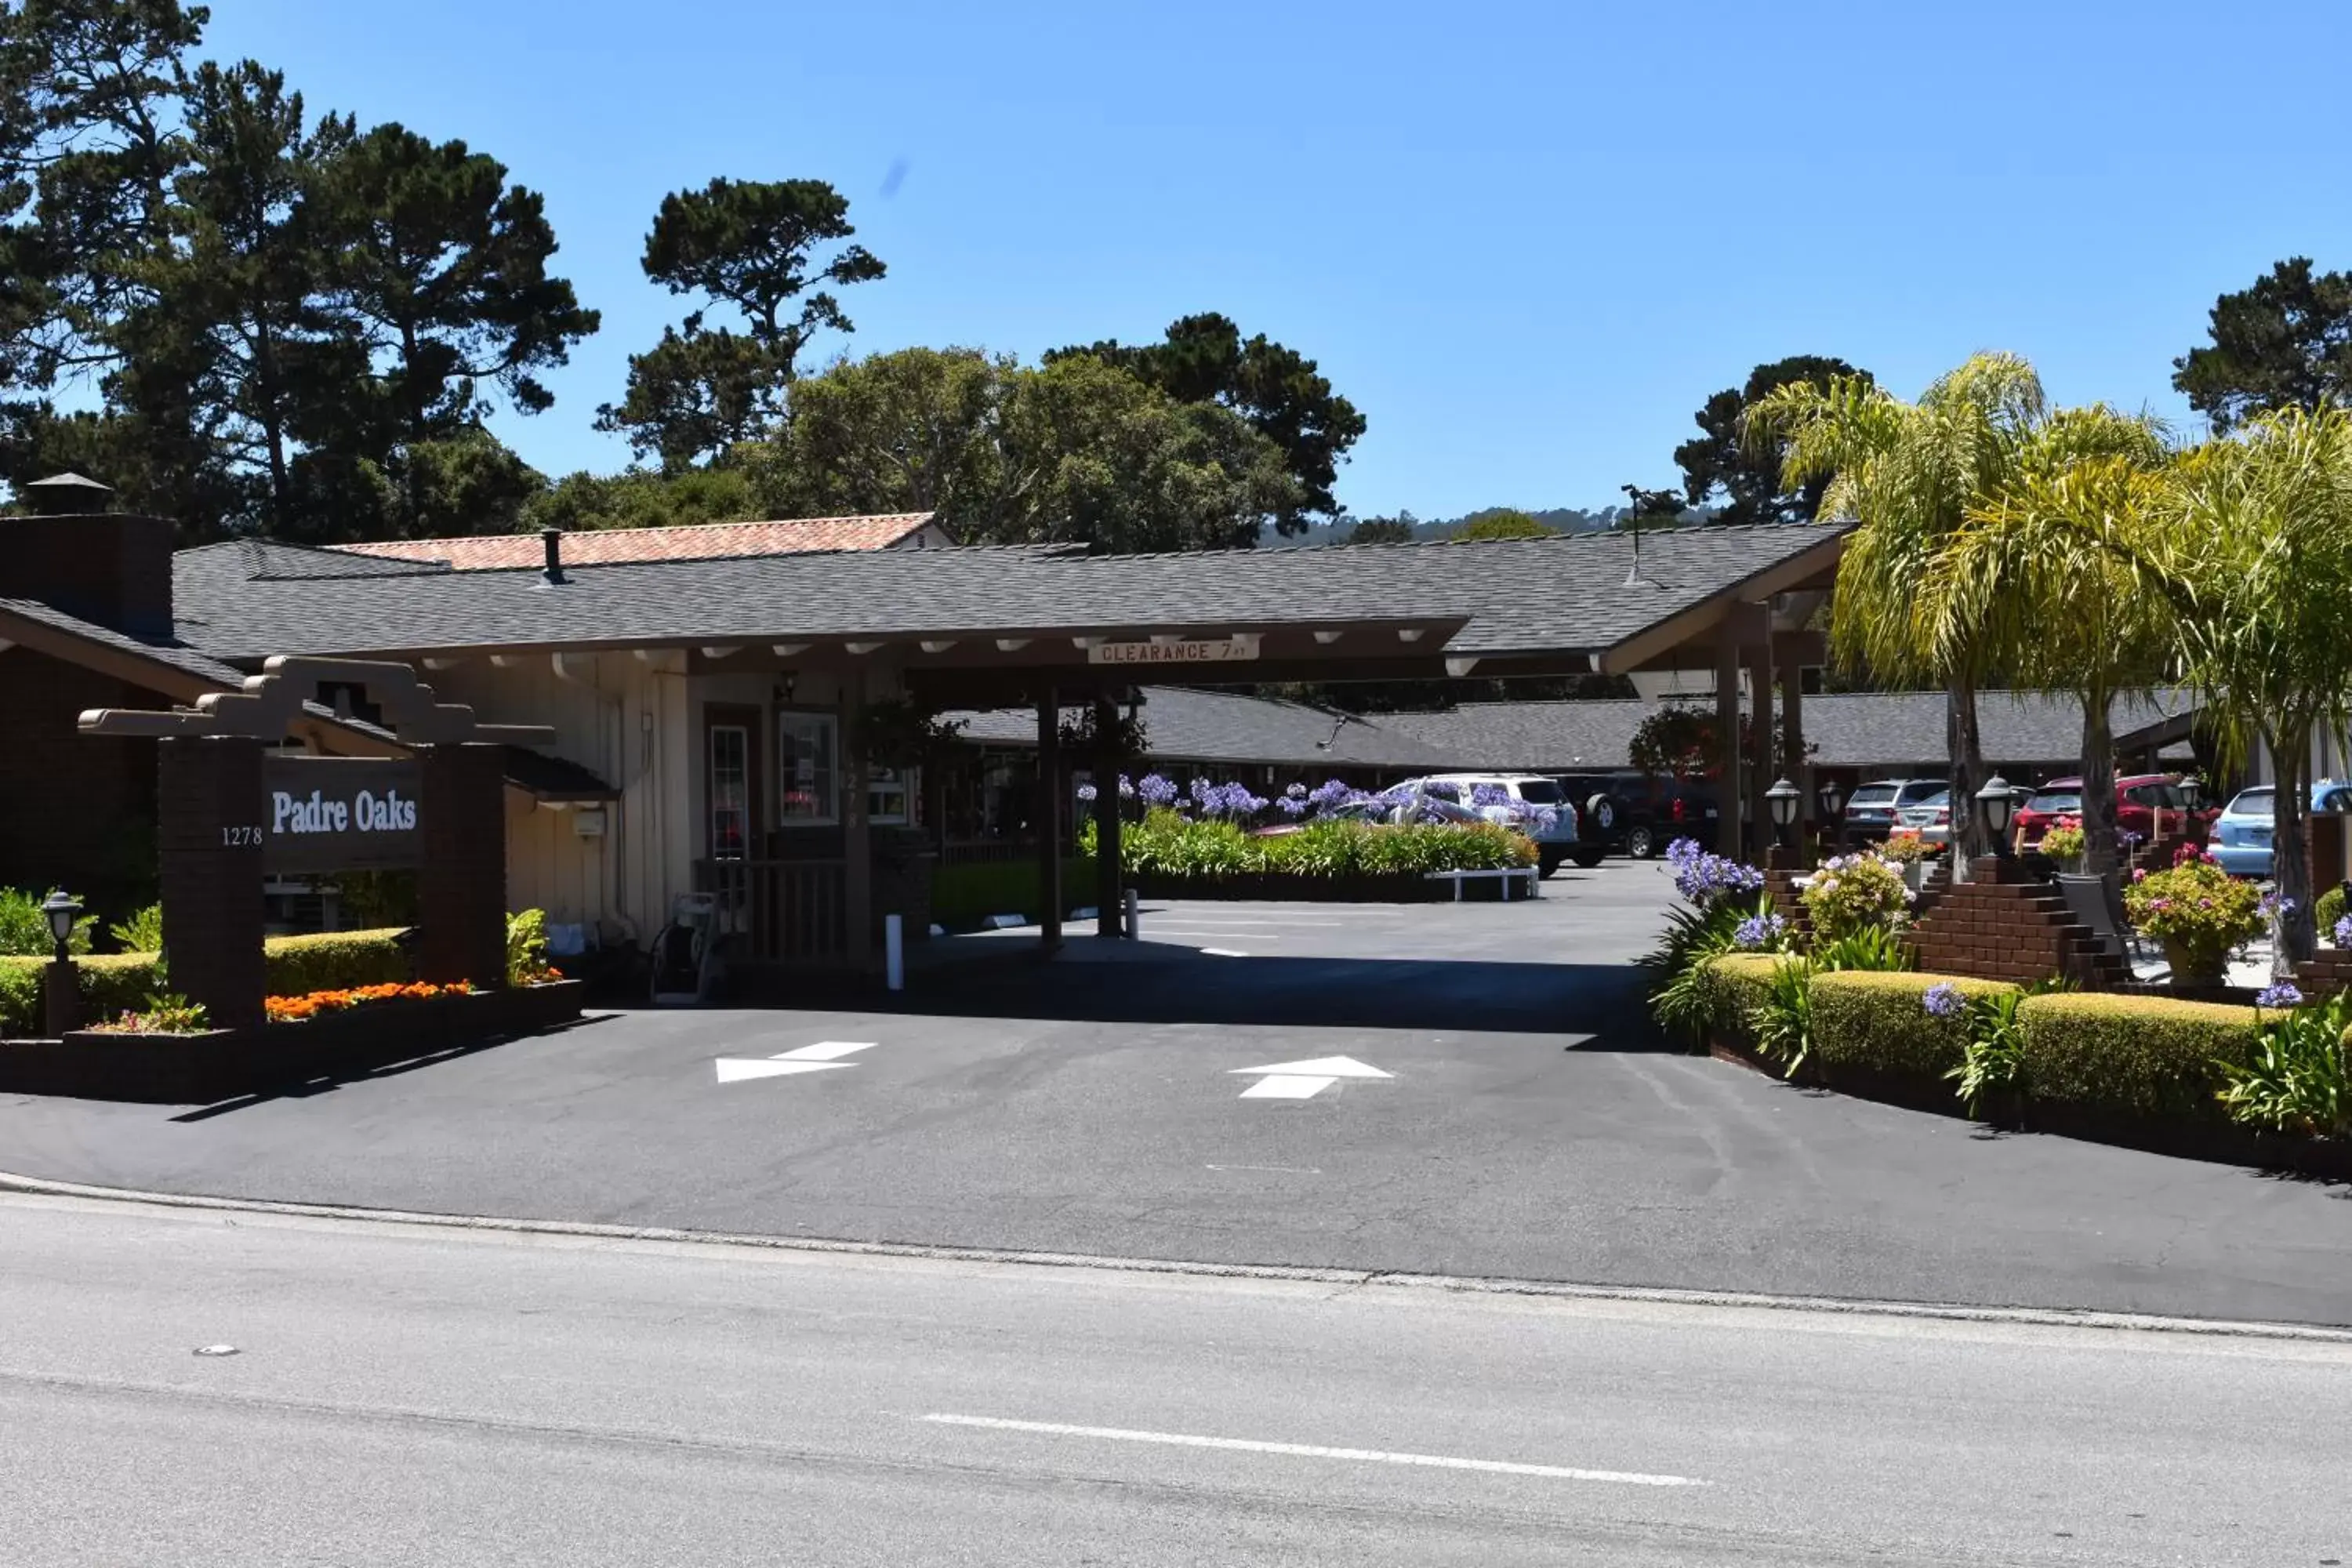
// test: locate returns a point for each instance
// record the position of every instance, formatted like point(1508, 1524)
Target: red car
point(2137, 800)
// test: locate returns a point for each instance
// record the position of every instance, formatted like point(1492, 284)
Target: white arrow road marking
point(1304, 1080)
point(819, 1058)
point(1316, 1451)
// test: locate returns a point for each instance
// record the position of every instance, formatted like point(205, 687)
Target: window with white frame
point(890, 794)
point(808, 777)
point(730, 786)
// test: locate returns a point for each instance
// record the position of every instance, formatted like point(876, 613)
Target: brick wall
point(75, 812)
point(2016, 930)
point(461, 888)
point(210, 843)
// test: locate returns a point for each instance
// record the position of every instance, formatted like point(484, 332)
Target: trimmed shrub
point(2131, 1056)
point(2326, 911)
point(339, 961)
point(111, 985)
point(1878, 1021)
point(25, 929)
point(967, 893)
point(1740, 982)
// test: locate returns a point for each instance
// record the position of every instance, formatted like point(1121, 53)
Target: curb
point(2040, 1317)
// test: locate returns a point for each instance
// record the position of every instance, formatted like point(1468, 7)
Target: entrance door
point(730, 783)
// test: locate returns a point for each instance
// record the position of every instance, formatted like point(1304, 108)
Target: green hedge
point(336, 960)
point(1740, 980)
point(966, 894)
point(2133, 1056)
point(2327, 912)
point(1165, 845)
point(1878, 1020)
point(113, 983)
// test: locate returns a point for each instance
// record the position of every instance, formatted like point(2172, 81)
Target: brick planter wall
point(220, 1063)
point(2013, 931)
point(2325, 974)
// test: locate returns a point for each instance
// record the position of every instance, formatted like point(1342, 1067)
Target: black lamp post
point(61, 995)
point(1832, 799)
point(1785, 800)
point(1995, 802)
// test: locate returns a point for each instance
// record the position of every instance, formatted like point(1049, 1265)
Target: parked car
point(1931, 819)
point(1873, 810)
point(2137, 800)
point(2242, 834)
point(1528, 802)
point(1618, 811)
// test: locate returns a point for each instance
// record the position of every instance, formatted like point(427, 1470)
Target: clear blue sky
point(1528, 240)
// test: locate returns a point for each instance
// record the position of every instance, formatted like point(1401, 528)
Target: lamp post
point(1995, 802)
point(61, 995)
point(1832, 799)
point(1785, 801)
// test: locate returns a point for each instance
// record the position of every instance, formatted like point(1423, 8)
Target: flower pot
point(2196, 966)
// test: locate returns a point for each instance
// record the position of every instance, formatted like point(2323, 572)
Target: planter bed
point(218, 1064)
point(1280, 887)
point(2183, 1137)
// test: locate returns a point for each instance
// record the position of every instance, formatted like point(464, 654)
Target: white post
point(894, 950)
point(1134, 927)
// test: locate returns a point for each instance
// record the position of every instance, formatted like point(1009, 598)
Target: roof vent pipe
point(552, 538)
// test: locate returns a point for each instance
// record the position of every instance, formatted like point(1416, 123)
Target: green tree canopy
point(1075, 451)
point(1504, 523)
point(1397, 529)
point(2283, 343)
point(751, 247)
point(1747, 474)
point(1281, 393)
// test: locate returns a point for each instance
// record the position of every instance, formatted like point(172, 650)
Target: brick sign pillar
point(210, 839)
point(461, 883)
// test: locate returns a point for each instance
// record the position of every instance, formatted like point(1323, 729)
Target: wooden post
point(1759, 744)
point(856, 829)
point(1049, 820)
point(461, 887)
point(1110, 902)
point(1792, 733)
point(1726, 736)
point(214, 814)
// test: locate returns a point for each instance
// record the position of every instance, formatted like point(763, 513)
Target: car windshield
point(1539, 791)
point(2252, 801)
point(1929, 803)
point(2056, 801)
point(1873, 794)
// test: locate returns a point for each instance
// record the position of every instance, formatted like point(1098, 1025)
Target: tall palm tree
point(2061, 611)
point(1908, 473)
point(2247, 543)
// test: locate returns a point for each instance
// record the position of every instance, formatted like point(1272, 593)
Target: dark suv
point(1637, 814)
point(1874, 809)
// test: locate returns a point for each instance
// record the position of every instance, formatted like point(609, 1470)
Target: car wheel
point(1547, 863)
point(1587, 855)
point(1640, 843)
point(1601, 811)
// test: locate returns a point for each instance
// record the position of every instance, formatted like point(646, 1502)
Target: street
point(404, 1397)
point(1488, 1106)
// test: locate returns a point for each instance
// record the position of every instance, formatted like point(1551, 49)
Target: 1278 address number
point(240, 837)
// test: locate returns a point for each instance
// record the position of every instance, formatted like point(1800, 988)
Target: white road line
point(1159, 930)
point(1314, 1451)
point(1224, 953)
point(1287, 1086)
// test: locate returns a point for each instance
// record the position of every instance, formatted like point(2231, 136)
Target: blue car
point(2242, 834)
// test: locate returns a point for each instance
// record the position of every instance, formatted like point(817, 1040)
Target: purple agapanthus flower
point(2282, 995)
point(1296, 791)
point(2273, 904)
point(1944, 1001)
point(1332, 792)
point(1703, 877)
point(1126, 787)
point(1291, 806)
point(1086, 792)
point(1156, 790)
point(2344, 932)
point(1758, 932)
point(1486, 794)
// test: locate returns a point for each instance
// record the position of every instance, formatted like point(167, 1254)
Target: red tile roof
point(694, 542)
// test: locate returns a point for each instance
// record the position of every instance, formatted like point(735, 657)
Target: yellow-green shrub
point(2133, 1056)
point(339, 960)
point(111, 984)
point(1878, 1020)
point(1739, 982)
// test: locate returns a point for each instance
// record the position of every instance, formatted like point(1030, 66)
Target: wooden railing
point(780, 911)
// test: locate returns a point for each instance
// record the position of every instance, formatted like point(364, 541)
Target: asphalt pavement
point(1460, 1091)
point(396, 1398)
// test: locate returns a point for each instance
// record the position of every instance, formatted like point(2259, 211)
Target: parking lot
point(1461, 1090)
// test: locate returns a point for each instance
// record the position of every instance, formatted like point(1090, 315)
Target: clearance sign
point(1177, 650)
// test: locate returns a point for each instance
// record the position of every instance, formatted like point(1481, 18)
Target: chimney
point(70, 552)
point(552, 538)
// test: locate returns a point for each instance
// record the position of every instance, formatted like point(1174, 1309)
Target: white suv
point(1519, 801)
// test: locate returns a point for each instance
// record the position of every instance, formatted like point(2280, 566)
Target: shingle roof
point(1564, 594)
point(1184, 725)
point(691, 542)
point(1860, 729)
point(174, 654)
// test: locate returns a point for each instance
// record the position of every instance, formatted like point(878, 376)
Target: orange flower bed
point(294, 1009)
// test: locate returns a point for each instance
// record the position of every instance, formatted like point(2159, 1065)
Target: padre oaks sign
point(337, 814)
